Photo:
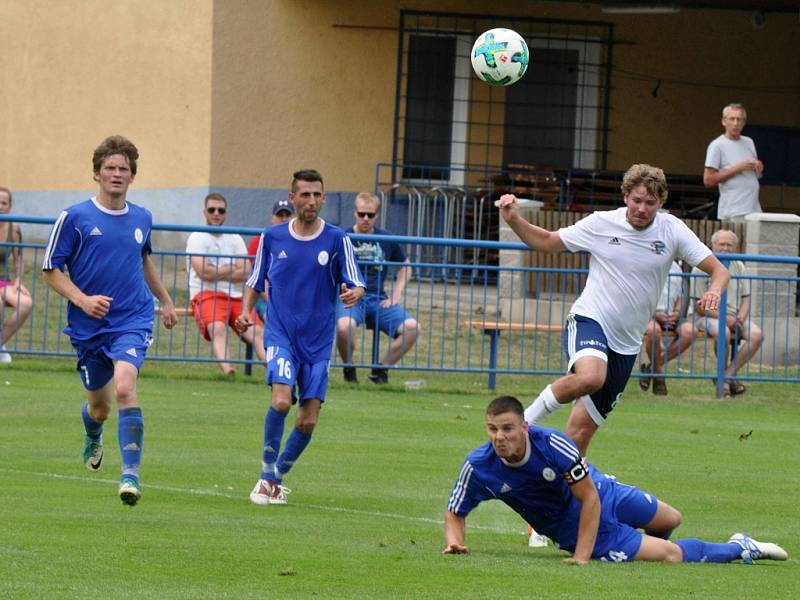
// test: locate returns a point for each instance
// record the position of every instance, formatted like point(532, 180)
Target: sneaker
point(93, 453)
point(129, 491)
point(268, 492)
point(754, 550)
point(379, 376)
point(536, 540)
point(660, 386)
point(5, 357)
point(350, 375)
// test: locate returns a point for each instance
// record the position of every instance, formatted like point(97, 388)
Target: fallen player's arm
point(454, 530)
point(588, 521)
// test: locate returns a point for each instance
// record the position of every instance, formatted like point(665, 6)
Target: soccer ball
point(499, 56)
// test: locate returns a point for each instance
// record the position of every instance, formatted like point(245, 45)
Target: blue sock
point(273, 433)
point(131, 436)
point(93, 429)
point(695, 550)
point(295, 445)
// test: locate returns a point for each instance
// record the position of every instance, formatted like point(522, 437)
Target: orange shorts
point(209, 307)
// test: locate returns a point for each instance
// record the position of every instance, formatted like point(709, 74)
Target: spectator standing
point(733, 165)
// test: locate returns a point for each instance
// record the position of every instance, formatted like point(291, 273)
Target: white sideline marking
point(214, 493)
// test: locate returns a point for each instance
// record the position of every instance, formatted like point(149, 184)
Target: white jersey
point(627, 270)
point(221, 247)
point(738, 196)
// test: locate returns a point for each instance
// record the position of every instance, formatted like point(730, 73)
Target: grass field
point(365, 517)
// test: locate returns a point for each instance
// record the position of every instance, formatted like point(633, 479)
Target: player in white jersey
point(308, 264)
point(631, 250)
point(542, 477)
point(104, 242)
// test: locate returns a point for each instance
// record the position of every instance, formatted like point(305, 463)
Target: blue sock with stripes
point(695, 550)
point(273, 433)
point(93, 429)
point(131, 437)
point(295, 445)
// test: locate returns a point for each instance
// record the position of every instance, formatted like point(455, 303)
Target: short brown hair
point(504, 404)
point(115, 144)
point(652, 178)
point(215, 196)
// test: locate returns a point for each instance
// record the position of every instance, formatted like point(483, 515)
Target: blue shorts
point(631, 509)
point(583, 336)
point(96, 356)
point(311, 378)
point(369, 310)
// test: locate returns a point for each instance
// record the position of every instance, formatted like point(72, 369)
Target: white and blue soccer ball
point(500, 56)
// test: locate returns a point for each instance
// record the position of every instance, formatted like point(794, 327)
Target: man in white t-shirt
point(215, 283)
point(738, 321)
point(733, 165)
point(631, 250)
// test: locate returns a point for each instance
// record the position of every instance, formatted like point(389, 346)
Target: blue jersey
point(372, 251)
point(305, 275)
point(538, 488)
point(103, 251)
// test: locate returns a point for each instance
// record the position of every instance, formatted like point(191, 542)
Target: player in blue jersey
point(542, 476)
point(104, 243)
point(307, 264)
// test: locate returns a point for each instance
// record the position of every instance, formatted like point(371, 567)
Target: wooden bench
point(493, 330)
point(186, 311)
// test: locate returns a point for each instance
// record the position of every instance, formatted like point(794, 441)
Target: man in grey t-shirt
point(733, 165)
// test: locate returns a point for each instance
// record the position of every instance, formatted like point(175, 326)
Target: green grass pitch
point(365, 517)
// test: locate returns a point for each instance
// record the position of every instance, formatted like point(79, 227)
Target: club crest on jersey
point(658, 247)
point(548, 474)
point(322, 258)
point(138, 235)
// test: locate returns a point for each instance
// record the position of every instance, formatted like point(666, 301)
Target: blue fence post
point(494, 335)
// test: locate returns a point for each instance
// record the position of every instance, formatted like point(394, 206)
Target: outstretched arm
point(454, 530)
point(534, 236)
point(720, 276)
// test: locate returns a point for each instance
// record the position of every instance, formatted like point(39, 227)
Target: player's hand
point(509, 208)
point(709, 301)
point(169, 317)
point(456, 549)
point(97, 306)
point(576, 561)
point(243, 322)
point(350, 297)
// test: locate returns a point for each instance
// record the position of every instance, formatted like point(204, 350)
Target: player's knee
point(306, 424)
point(672, 553)
point(125, 392)
point(590, 381)
point(345, 327)
point(25, 306)
point(100, 412)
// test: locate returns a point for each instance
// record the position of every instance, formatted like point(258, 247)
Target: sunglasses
point(366, 215)
point(220, 210)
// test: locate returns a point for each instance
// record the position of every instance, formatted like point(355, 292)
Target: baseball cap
point(282, 205)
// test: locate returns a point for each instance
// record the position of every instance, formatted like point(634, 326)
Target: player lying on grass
point(541, 475)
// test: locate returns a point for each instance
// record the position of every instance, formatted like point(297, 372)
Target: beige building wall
point(75, 71)
point(237, 94)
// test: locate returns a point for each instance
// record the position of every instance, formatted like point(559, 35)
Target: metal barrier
point(467, 326)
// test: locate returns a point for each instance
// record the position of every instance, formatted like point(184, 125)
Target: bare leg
point(407, 334)
point(218, 332)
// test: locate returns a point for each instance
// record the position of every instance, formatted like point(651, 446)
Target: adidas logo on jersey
point(505, 488)
point(614, 241)
point(282, 254)
point(96, 231)
point(131, 352)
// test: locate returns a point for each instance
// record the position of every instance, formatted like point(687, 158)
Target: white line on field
point(218, 494)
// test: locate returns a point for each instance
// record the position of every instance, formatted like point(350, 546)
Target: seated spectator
point(215, 283)
point(376, 308)
point(667, 318)
point(282, 211)
point(15, 299)
point(738, 321)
